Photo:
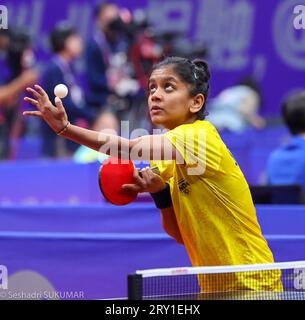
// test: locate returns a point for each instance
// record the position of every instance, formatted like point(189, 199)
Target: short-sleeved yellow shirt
point(212, 201)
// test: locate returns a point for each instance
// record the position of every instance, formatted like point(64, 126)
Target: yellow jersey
point(212, 201)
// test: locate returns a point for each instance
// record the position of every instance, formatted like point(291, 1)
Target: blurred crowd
point(112, 82)
point(117, 57)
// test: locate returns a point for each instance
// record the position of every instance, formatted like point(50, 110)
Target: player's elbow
point(179, 240)
point(175, 235)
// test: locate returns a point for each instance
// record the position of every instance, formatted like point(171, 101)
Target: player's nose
point(156, 95)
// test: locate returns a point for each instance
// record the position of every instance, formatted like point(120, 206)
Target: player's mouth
point(155, 109)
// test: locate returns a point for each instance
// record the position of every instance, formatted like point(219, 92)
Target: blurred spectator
point(145, 51)
point(236, 108)
point(16, 87)
point(106, 121)
point(17, 72)
point(107, 58)
point(67, 46)
point(286, 165)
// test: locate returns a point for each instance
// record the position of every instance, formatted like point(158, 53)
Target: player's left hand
point(149, 182)
point(55, 117)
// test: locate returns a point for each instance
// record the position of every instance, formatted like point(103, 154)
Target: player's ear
point(197, 103)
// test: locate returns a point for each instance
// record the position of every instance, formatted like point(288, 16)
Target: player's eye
point(151, 89)
point(169, 87)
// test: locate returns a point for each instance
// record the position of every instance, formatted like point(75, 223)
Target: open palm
point(55, 116)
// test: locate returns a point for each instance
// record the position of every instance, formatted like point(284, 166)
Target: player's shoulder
point(202, 128)
point(196, 125)
point(201, 131)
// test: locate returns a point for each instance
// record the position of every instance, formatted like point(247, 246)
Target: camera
point(17, 51)
point(172, 43)
point(147, 46)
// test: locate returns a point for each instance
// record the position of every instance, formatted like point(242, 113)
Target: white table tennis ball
point(61, 91)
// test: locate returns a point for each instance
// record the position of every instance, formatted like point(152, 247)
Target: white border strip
point(220, 269)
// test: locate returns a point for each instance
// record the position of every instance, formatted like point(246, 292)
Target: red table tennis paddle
point(113, 174)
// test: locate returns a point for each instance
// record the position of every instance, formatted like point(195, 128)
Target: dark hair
point(293, 112)
point(19, 41)
point(196, 73)
point(60, 34)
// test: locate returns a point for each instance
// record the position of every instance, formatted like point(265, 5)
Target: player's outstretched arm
point(148, 147)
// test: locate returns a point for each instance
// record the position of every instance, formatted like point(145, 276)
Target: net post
point(135, 287)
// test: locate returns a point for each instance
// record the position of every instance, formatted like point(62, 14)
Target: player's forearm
point(106, 143)
point(142, 148)
point(170, 225)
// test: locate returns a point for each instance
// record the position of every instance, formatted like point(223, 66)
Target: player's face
point(169, 100)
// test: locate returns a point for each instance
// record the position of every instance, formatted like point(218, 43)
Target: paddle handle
point(153, 169)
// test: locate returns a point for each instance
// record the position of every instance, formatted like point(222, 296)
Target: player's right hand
point(148, 181)
point(55, 117)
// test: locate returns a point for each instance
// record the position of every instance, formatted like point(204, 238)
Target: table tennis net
point(276, 281)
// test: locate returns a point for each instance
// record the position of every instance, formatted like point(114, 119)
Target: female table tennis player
point(203, 196)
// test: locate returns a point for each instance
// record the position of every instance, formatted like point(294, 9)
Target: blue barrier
point(92, 248)
point(50, 182)
point(47, 181)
